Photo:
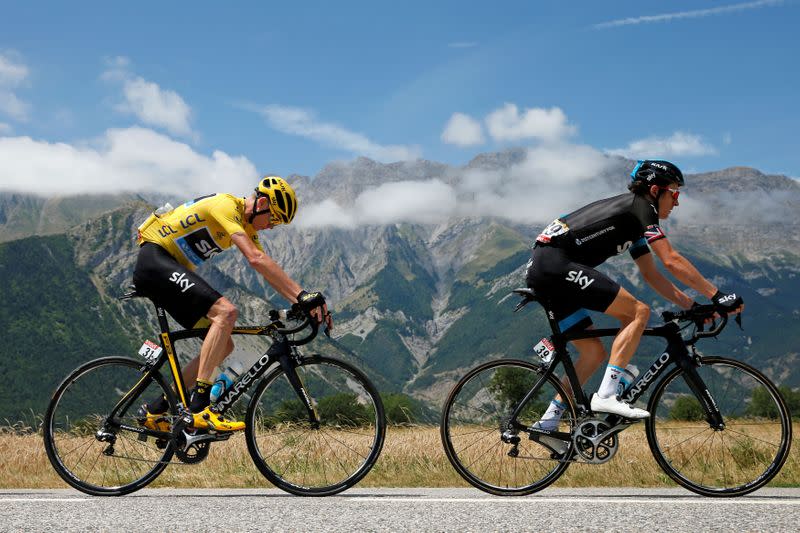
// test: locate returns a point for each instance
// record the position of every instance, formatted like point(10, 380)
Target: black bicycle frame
point(280, 351)
point(675, 353)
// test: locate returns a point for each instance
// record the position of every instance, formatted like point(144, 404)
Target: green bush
point(687, 408)
point(762, 404)
point(403, 409)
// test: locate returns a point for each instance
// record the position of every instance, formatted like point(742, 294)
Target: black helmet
point(655, 172)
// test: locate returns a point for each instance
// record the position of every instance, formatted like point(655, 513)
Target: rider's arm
point(267, 267)
point(681, 268)
point(660, 283)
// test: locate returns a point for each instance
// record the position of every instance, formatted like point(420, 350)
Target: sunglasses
point(674, 192)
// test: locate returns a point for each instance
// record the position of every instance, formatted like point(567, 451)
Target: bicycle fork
point(701, 392)
point(289, 363)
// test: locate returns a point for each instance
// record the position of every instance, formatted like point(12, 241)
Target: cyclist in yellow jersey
point(173, 244)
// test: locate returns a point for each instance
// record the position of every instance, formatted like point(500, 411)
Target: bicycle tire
point(462, 419)
point(687, 448)
point(77, 411)
point(307, 461)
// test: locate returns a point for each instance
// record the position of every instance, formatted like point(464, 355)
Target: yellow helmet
point(282, 200)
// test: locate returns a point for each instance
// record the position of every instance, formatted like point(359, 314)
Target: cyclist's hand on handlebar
point(313, 303)
point(696, 308)
point(727, 303)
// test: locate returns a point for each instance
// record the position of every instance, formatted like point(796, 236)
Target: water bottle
point(164, 209)
point(225, 380)
point(626, 378)
point(221, 384)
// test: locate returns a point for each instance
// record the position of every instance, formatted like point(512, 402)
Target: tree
point(403, 409)
point(687, 408)
point(763, 405)
point(509, 385)
point(344, 409)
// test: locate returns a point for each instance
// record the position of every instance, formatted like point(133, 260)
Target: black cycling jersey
point(604, 228)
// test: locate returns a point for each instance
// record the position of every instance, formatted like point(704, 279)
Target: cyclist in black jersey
point(562, 271)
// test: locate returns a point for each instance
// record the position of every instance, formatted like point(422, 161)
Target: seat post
point(162, 318)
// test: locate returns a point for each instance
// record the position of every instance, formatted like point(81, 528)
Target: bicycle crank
point(596, 441)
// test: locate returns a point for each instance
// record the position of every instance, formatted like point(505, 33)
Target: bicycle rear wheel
point(475, 415)
point(736, 460)
point(316, 459)
point(92, 452)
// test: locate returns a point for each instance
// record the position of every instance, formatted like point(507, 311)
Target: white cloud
point(678, 144)
point(552, 179)
point(421, 202)
point(428, 201)
point(506, 124)
point(727, 138)
point(303, 123)
point(13, 107)
point(462, 130)
point(12, 75)
point(697, 13)
point(133, 159)
point(150, 103)
point(5, 128)
point(157, 107)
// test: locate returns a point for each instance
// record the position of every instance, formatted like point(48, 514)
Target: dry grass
point(411, 457)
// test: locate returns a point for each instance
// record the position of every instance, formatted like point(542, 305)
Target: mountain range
point(417, 297)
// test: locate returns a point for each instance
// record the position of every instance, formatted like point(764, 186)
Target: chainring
point(590, 446)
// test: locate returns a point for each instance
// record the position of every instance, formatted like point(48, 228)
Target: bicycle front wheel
point(477, 412)
point(740, 458)
point(91, 451)
point(316, 459)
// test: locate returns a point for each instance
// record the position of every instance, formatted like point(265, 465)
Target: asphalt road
point(399, 510)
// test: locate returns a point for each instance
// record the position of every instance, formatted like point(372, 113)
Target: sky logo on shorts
point(180, 279)
point(580, 278)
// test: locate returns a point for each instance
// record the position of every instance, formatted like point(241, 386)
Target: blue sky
point(285, 88)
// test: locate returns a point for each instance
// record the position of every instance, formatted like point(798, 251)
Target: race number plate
point(545, 350)
point(150, 351)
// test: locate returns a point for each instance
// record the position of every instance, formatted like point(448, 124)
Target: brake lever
point(327, 332)
point(738, 320)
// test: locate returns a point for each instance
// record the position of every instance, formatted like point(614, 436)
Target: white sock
point(552, 416)
point(608, 387)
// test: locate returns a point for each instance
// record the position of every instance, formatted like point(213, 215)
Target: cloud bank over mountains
point(553, 175)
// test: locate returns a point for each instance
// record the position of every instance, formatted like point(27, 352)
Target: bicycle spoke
point(488, 433)
point(774, 445)
point(364, 457)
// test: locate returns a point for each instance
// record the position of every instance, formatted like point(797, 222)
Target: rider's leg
point(189, 371)
point(633, 315)
point(591, 354)
point(223, 316)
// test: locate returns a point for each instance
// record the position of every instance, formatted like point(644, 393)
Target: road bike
point(717, 426)
point(315, 425)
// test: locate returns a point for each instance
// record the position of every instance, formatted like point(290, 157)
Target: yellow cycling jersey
point(198, 230)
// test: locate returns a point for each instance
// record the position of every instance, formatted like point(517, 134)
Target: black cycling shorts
point(185, 295)
point(569, 288)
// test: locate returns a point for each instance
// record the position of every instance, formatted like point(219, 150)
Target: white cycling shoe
point(616, 406)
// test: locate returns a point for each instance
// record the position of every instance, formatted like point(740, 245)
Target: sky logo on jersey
point(198, 246)
point(580, 278)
